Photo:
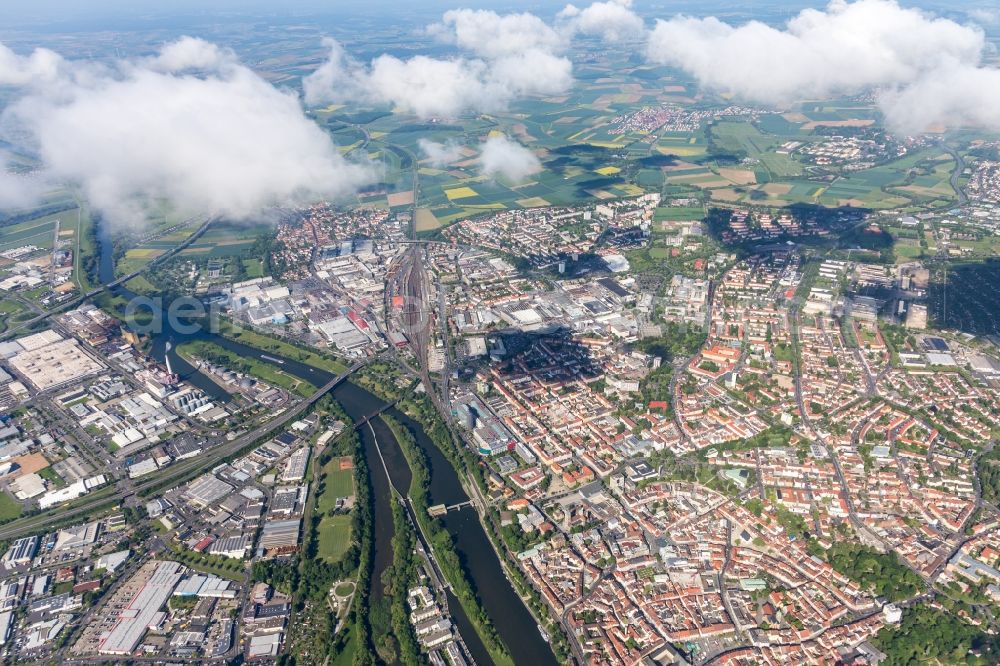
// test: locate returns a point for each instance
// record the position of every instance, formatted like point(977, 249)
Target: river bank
point(442, 544)
point(478, 561)
point(383, 380)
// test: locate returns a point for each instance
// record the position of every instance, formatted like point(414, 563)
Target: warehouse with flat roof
point(21, 551)
point(280, 535)
point(295, 467)
point(266, 645)
point(54, 364)
point(141, 612)
point(207, 490)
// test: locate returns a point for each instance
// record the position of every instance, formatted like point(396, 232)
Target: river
point(515, 624)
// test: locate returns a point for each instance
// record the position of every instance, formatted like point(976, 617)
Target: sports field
point(334, 537)
point(336, 482)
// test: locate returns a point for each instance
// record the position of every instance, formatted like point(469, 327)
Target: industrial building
point(158, 581)
point(54, 364)
point(280, 536)
point(206, 490)
point(232, 546)
point(205, 587)
point(21, 551)
point(295, 466)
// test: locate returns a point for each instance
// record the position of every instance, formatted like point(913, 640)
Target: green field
point(745, 138)
point(679, 213)
point(9, 306)
point(85, 250)
point(39, 231)
point(254, 268)
point(906, 251)
point(334, 531)
point(141, 285)
point(337, 483)
point(9, 507)
point(221, 240)
point(346, 656)
point(12, 311)
point(334, 537)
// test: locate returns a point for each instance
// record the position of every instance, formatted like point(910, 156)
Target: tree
point(927, 635)
point(881, 573)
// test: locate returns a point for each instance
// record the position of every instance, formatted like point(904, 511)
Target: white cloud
point(338, 78)
point(225, 143)
point(440, 154)
point(613, 21)
point(949, 96)
point(492, 35)
point(502, 157)
point(42, 66)
point(845, 49)
point(426, 87)
point(985, 16)
point(431, 87)
point(191, 53)
point(509, 56)
point(533, 72)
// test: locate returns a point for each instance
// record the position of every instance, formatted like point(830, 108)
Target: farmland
point(38, 232)
point(743, 138)
point(592, 148)
point(221, 240)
